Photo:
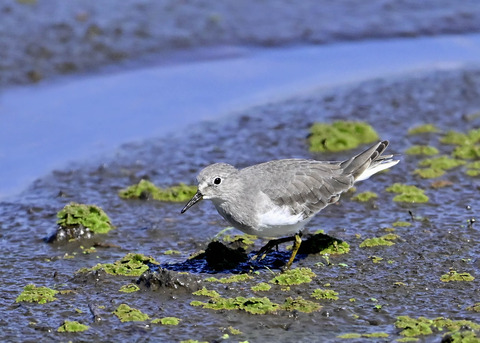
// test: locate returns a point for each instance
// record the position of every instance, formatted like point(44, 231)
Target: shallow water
point(50, 125)
point(405, 282)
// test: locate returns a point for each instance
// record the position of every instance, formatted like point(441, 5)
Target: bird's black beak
point(196, 198)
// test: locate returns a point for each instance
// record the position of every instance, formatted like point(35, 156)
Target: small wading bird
point(278, 198)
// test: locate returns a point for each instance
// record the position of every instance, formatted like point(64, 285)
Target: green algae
point(230, 279)
point(424, 128)
point(300, 304)
point(441, 162)
point(40, 295)
point(166, 321)
point(340, 135)
point(429, 173)
point(147, 190)
point(459, 138)
point(462, 336)
point(171, 252)
point(473, 169)
point(72, 326)
point(131, 264)
point(407, 339)
point(245, 240)
point(192, 341)
point(422, 150)
point(324, 294)
point(453, 275)
point(127, 314)
point(207, 293)
point(294, 276)
point(363, 335)
point(467, 152)
point(407, 193)
point(475, 307)
point(251, 305)
point(130, 288)
point(423, 326)
point(401, 224)
point(234, 331)
point(385, 240)
point(261, 287)
point(365, 196)
point(89, 216)
point(376, 259)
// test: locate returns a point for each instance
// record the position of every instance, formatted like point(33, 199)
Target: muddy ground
point(375, 285)
point(41, 39)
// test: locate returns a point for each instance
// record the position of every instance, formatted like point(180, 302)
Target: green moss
point(414, 327)
point(462, 336)
point(401, 224)
point(340, 135)
point(458, 138)
point(193, 341)
point(171, 252)
point(475, 307)
point(145, 190)
point(127, 314)
point(230, 279)
point(350, 336)
point(41, 295)
point(385, 240)
point(130, 288)
point(301, 305)
point(467, 152)
point(166, 321)
point(251, 305)
point(245, 239)
point(207, 293)
point(473, 169)
point(72, 326)
point(295, 276)
point(407, 193)
point(365, 196)
point(130, 265)
point(442, 162)
point(455, 276)
point(262, 286)
point(234, 331)
point(407, 339)
point(375, 335)
point(429, 173)
point(422, 150)
point(90, 216)
point(376, 259)
point(328, 294)
point(424, 128)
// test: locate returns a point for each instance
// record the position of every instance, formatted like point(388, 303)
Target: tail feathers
point(369, 162)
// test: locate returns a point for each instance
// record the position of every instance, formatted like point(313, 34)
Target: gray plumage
point(278, 198)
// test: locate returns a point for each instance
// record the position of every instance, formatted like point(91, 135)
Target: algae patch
point(365, 196)
point(72, 326)
point(147, 190)
point(322, 294)
point(340, 135)
point(412, 327)
point(422, 150)
point(442, 163)
point(230, 279)
point(88, 216)
point(261, 287)
point(166, 321)
point(455, 276)
point(127, 314)
point(130, 288)
point(41, 295)
point(407, 193)
point(385, 240)
point(300, 304)
point(424, 128)
point(130, 265)
point(251, 305)
point(295, 276)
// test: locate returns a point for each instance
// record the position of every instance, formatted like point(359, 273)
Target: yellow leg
point(296, 246)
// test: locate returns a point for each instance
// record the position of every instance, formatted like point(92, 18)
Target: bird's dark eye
point(217, 180)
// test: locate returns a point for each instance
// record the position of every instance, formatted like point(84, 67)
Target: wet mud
point(431, 242)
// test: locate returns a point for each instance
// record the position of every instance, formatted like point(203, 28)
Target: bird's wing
point(305, 186)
